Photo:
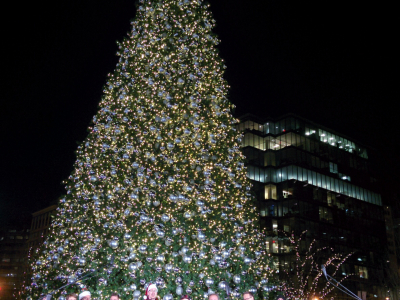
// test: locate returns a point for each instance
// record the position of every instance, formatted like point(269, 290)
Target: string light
point(306, 281)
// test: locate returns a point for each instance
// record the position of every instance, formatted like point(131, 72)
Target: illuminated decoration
point(159, 189)
point(306, 279)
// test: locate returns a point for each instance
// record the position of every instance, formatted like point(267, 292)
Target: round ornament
point(209, 282)
point(167, 297)
point(114, 244)
point(160, 233)
point(183, 250)
point(222, 285)
point(136, 294)
point(168, 268)
point(247, 260)
point(132, 267)
point(253, 290)
point(179, 290)
point(236, 279)
point(160, 257)
point(142, 248)
point(225, 254)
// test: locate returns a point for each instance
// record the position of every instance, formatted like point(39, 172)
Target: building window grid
point(310, 177)
point(292, 124)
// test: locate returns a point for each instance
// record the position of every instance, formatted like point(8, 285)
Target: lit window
point(270, 192)
point(362, 271)
point(286, 194)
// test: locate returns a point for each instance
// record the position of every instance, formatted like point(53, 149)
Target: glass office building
point(308, 177)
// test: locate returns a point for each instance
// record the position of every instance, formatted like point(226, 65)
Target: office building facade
point(309, 178)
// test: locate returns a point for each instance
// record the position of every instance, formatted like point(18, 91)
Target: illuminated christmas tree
point(159, 191)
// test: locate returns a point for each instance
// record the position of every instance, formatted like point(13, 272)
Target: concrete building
point(40, 224)
point(12, 260)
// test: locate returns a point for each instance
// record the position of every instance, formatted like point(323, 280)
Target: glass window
point(290, 172)
point(333, 168)
point(287, 192)
point(362, 271)
point(250, 172)
point(282, 125)
point(325, 214)
point(275, 226)
point(270, 191)
point(269, 158)
point(314, 178)
point(291, 124)
point(323, 182)
point(299, 124)
point(309, 177)
point(308, 144)
point(286, 228)
point(284, 175)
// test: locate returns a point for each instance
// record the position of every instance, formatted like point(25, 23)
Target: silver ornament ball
point(222, 285)
point(168, 297)
point(142, 248)
point(209, 282)
point(187, 259)
point(179, 290)
point(114, 244)
point(253, 290)
point(236, 279)
point(132, 267)
point(136, 294)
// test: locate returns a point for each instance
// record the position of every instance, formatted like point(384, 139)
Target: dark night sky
point(329, 61)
